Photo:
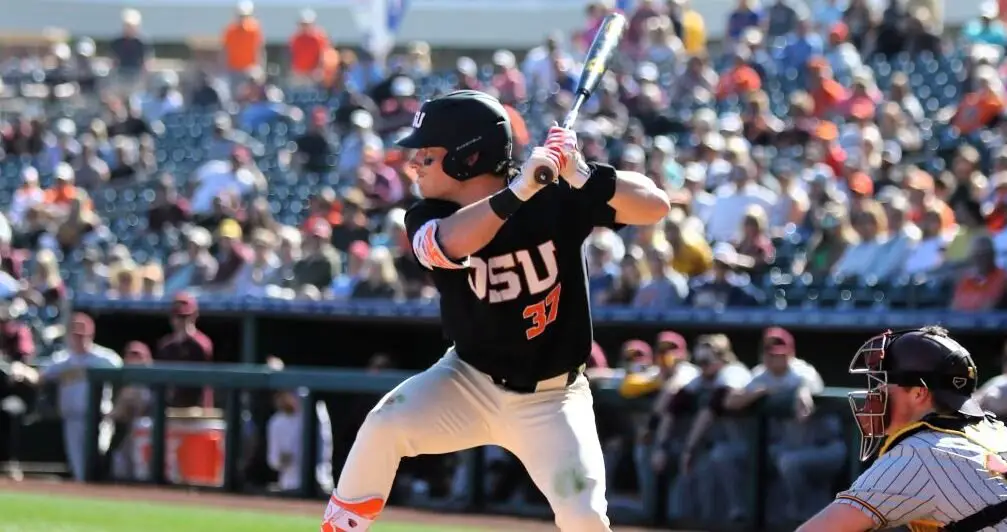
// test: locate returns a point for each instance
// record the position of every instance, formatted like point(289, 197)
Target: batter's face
point(430, 175)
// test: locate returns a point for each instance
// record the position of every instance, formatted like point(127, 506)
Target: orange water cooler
point(193, 452)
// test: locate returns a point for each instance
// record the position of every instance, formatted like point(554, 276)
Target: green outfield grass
point(38, 513)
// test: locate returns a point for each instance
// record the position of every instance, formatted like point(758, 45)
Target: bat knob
point(544, 176)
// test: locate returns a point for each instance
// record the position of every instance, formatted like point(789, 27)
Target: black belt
point(520, 386)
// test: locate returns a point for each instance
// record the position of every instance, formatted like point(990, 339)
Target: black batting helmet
point(925, 357)
point(465, 123)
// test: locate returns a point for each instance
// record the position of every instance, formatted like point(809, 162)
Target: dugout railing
point(231, 380)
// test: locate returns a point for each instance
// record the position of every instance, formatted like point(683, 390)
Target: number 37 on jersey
point(507, 277)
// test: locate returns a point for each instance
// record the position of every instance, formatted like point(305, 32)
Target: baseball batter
point(941, 460)
point(506, 255)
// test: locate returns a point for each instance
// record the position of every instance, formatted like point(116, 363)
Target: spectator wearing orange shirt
point(923, 195)
point(307, 51)
point(63, 191)
point(982, 288)
point(982, 107)
point(244, 45)
point(825, 91)
point(741, 79)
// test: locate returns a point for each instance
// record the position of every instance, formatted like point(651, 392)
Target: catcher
point(940, 461)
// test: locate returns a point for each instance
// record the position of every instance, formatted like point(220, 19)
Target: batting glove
point(574, 169)
point(525, 186)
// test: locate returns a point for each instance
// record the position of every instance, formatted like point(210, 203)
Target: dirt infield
point(269, 504)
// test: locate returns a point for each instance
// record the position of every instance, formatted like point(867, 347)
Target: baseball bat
point(595, 65)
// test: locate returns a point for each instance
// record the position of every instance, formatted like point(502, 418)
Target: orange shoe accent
point(341, 516)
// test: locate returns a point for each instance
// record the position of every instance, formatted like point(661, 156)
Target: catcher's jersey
point(934, 477)
point(518, 308)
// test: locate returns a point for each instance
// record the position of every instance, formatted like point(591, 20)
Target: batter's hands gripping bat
point(595, 65)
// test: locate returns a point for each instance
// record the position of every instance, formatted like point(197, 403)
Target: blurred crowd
point(838, 155)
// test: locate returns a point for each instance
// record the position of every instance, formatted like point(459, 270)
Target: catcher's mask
point(915, 358)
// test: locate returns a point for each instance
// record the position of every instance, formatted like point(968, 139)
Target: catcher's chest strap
point(987, 517)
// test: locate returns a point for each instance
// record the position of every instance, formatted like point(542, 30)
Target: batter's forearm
point(468, 230)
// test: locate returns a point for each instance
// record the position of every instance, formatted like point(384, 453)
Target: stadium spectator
point(16, 341)
point(186, 343)
point(378, 277)
point(723, 287)
point(987, 28)
point(858, 260)
point(320, 264)
point(131, 52)
point(195, 266)
point(665, 287)
point(243, 44)
point(308, 46)
point(984, 285)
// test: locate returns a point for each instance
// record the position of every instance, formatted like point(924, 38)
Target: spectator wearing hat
point(68, 370)
point(806, 451)
point(188, 344)
point(224, 139)
point(132, 403)
point(360, 136)
point(698, 77)
point(842, 55)
point(131, 52)
point(315, 149)
point(244, 47)
point(398, 104)
point(710, 438)
point(307, 48)
point(983, 286)
point(353, 224)
point(232, 255)
point(319, 264)
point(379, 279)
point(923, 197)
point(929, 254)
point(755, 245)
point(722, 287)
point(508, 81)
point(195, 266)
point(987, 28)
point(690, 252)
point(25, 197)
point(255, 276)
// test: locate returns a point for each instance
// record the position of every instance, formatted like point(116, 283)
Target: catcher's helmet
point(925, 357)
point(465, 123)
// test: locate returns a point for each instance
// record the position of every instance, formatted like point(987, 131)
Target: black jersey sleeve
point(590, 210)
point(421, 225)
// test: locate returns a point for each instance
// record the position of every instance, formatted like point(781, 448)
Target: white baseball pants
point(452, 406)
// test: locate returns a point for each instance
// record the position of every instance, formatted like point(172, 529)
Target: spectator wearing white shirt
point(903, 235)
point(843, 56)
point(861, 259)
point(25, 197)
point(218, 177)
point(284, 441)
point(734, 199)
point(793, 203)
point(537, 66)
point(928, 255)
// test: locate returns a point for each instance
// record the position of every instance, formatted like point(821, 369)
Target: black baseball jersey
point(518, 308)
